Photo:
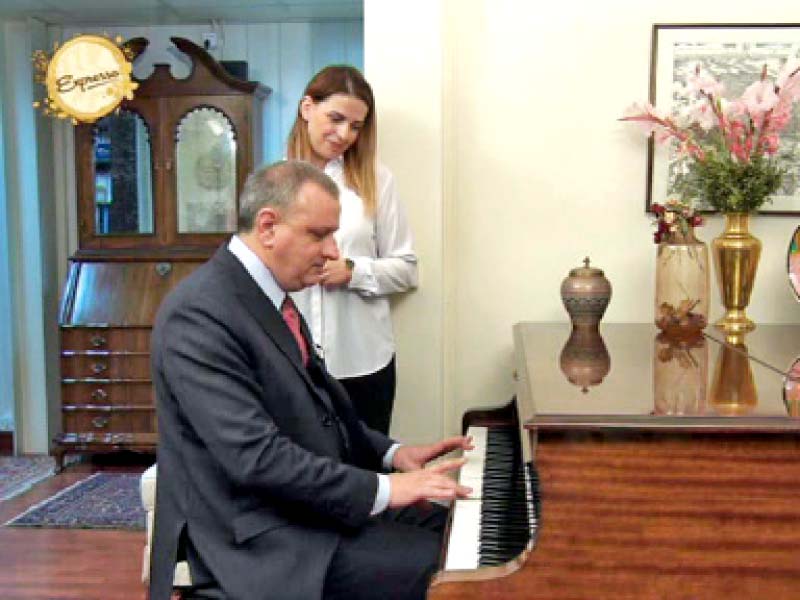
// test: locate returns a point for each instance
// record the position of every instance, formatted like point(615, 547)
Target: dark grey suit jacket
point(252, 466)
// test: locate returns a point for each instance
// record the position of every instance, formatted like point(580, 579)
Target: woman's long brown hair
point(359, 159)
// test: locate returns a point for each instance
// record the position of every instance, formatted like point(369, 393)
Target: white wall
point(538, 173)
point(407, 78)
point(31, 337)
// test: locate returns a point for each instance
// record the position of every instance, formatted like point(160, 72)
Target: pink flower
point(740, 152)
point(706, 127)
point(788, 80)
point(759, 98)
point(769, 144)
point(781, 114)
point(645, 115)
point(702, 114)
point(701, 81)
point(662, 135)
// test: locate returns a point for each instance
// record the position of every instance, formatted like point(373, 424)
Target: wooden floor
point(74, 564)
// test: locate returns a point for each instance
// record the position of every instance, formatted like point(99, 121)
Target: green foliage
point(727, 185)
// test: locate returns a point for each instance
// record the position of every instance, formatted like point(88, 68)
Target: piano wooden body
point(630, 512)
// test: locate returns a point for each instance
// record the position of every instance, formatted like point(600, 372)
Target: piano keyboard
point(499, 519)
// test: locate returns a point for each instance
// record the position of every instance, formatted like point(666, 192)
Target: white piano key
point(471, 473)
point(462, 551)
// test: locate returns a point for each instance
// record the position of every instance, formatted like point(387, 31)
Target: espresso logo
point(87, 78)
point(67, 83)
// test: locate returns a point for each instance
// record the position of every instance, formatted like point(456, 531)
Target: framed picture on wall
point(735, 55)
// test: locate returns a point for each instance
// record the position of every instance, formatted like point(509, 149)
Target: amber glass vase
point(680, 375)
point(682, 285)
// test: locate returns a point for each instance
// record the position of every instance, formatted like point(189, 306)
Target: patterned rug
point(101, 501)
point(18, 473)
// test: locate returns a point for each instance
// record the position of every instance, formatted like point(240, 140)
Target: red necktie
point(292, 318)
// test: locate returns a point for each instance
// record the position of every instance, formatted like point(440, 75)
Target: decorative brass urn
point(736, 253)
point(585, 293)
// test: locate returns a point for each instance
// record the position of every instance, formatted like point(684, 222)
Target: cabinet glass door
point(206, 172)
point(123, 181)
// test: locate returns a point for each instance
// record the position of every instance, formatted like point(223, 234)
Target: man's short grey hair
point(278, 185)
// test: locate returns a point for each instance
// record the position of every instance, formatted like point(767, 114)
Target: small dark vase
point(585, 294)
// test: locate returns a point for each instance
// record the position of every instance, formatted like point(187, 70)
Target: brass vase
point(733, 387)
point(736, 253)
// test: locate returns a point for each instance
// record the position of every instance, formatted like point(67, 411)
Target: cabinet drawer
point(104, 393)
point(133, 339)
point(113, 421)
point(105, 365)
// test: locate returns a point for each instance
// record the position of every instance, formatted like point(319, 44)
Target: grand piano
point(630, 465)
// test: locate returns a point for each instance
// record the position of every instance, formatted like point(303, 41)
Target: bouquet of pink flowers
point(729, 149)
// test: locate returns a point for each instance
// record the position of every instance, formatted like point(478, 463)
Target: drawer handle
point(100, 422)
point(98, 367)
point(97, 340)
point(163, 268)
point(99, 394)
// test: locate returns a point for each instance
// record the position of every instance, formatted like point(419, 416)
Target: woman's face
point(333, 124)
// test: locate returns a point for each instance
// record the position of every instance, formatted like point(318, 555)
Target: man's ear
point(264, 225)
point(306, 106)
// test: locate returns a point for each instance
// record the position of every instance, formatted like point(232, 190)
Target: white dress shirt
point(265, 280)
point(352, 326)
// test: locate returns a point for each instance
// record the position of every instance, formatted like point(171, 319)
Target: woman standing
point(348, 313)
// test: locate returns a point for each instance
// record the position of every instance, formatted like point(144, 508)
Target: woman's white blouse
point(352, 326)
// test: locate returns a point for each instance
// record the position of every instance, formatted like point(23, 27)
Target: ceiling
point(153, 12)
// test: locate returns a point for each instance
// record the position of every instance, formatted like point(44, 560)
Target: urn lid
point(586, 270)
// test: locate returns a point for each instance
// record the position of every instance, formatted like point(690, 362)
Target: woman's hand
point(336, 274)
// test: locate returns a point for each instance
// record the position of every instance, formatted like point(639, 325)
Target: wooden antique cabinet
point(158, 184)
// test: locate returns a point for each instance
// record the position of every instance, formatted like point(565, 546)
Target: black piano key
point(510, 499)
point(505, 528)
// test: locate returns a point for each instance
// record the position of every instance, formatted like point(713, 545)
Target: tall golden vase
point(736, 253)
point(733, 388)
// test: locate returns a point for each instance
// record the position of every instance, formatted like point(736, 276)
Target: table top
point(628, 376)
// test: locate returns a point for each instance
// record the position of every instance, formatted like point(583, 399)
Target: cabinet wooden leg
point(58, 454)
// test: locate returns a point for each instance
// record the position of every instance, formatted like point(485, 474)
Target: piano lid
point(632, 377)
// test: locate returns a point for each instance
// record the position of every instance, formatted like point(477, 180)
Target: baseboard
point(6, 443)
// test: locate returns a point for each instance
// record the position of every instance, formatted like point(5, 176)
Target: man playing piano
point(268, 483)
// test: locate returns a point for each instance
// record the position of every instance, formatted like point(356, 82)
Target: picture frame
point(735, 54)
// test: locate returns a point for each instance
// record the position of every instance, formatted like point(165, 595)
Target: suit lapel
point(264, 312)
